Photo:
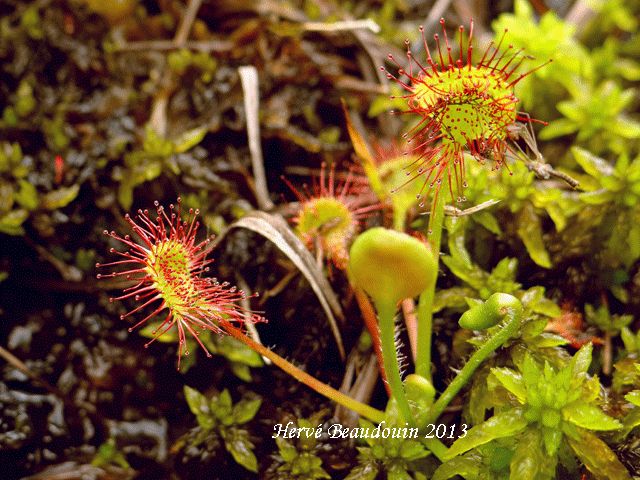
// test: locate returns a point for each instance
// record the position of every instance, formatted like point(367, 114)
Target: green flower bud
point(419, 388)
point(486, 314)
point(390, 266)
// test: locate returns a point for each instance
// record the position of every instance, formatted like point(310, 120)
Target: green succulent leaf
point(11, 223)
point(629, 422)
point(108, 454)
point(198, 403)
point(287, 451)
point(535, 300)
point(60, 198)
point(245, 411)
point(530, 232)
point(236, 351)
point(412, 450)
point(453, 298)
point(592, 164)
point(189, 139)
point(364, 471)
point(199, 406)
point(467, 467)
point(223, 401)
point(559, 128)
point(552, 439)
point(473, 275)
point(582, 359)
point(512, 381)
point(241, 371)
point(502, 425)
point(589, 417)
point(27, 196)
point(631, 341)
point(530, 371)
point(633, 397)
point(237, 443)
point(598, 457)
point(530, 461)
point(598, 197)
point(396, 471)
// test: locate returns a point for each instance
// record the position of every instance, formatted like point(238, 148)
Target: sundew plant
point(539, 397)
point(168, 268)
point(465, 107)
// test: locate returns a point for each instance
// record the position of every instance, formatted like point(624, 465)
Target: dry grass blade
point(249, 80)
point(276, 229)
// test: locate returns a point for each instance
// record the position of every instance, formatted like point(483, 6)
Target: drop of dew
point(464, 199)
point(465, 184)
point(430, 232)
point(459, 199)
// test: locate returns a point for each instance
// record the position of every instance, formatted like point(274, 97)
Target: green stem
point(399, 215)
point(371, 321)
point(425, 305)
point(436, 224)
point(367, 411)
point(498, 307)
point(386, 314)
point(436, 447)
